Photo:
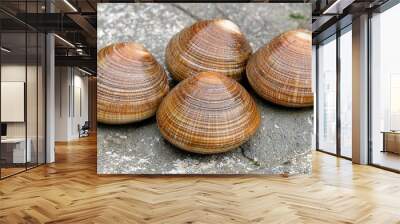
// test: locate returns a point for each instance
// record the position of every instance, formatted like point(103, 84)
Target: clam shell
point(130, 84)
point(210, 45)
point(280, 72)
point(208, 113)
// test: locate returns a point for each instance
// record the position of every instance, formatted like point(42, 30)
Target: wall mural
point(204, 88)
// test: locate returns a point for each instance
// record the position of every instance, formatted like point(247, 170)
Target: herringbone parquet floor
point(70, 191)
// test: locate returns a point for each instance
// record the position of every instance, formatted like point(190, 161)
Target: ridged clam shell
point(208, 113)
point(280, 71)
point(210, 45)
point(130, 84)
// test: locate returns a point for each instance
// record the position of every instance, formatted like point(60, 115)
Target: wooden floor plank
point(70, 191)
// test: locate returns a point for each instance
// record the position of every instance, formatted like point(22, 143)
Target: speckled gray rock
point(281, 145)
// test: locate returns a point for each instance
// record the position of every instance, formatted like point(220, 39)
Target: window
point(327, 95)
point(385, 89)
point(334, 106)
point(346, 75)
point(22, 88)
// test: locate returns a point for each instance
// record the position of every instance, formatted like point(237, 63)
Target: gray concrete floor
point(281, 145)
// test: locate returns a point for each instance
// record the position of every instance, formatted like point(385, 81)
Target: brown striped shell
point(208, 113)
point(280, 72)
point(210, 45)
point(130, 84)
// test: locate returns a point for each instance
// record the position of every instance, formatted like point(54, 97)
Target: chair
point(84, 130)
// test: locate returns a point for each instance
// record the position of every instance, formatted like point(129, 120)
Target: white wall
point(14, 72)
point(79, 117)
point(12, 100)
point(61, 103)
point(17, 72)
point(70, 83)
point(33, 126)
